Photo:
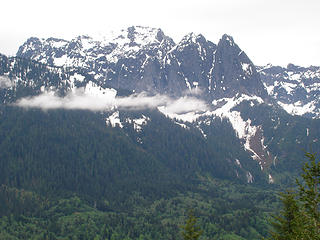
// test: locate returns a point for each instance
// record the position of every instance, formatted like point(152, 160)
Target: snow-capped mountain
point(84, 51)
point(144, 59)
point(296, 89)
point(121, 60)
point(202, 87)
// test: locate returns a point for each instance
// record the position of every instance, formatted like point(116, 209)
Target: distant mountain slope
point(116, 137)
point(201, 88)
point(296, 89)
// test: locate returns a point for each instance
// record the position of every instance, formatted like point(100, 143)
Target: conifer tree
point(190, 230)
point(287, 225)
point(309, 196)
point(300, 217)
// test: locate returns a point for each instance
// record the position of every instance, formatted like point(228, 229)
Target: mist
point(5, 82)
point(81, 100)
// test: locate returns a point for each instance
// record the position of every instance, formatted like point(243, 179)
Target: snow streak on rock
point(251, 135)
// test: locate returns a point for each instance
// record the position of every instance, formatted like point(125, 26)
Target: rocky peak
point(226, 40)
point(191, 39)
point(234, 72)
point(293, 68)
point(188, 63)
point(139, 35)
point(143, 58)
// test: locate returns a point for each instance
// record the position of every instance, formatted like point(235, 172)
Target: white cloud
point(142, 101)
point(186, 109)
point(83, 100)
point(185, 105)
point(49, 100)
point(5, 82)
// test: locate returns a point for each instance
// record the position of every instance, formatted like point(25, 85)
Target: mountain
point(130, 58)
point(134, 120)
point(296, 89)
point(140, 59)
point(233, 72)
point(144, 59)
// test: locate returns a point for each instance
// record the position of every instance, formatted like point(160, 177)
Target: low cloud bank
point(108, 100)
point(5, 82)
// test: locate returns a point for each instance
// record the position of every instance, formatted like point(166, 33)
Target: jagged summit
point(136, 34)
point(145, 59)
point(234, 72)
point(227, 39)
point(78, 51)
point(192, 37)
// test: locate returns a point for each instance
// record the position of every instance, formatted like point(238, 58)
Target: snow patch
point(238, 163)
point(297, 108)
point(270, 88)
point(139, 122)
point(249, 177)
point(289, 87)
point(107, 94)
point(243, 129)
point(113, 120)
point(61, 61)
point(182, 125)
point(294, 76)
point(271, 180)
point(202, 132)
point(58, 43)
point(187, 83)
point(78, 77)
point(246, 67)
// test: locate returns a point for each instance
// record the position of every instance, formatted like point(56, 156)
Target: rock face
point(145, 59)
point(190, 63)
point(233, 72)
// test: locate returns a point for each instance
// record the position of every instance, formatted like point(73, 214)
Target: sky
point(269, 31)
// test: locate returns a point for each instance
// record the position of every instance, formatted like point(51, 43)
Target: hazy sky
point(269, 31)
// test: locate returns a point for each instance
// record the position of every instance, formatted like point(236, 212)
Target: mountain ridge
point(149, 65)
point(215, 81)
point(121, 138)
